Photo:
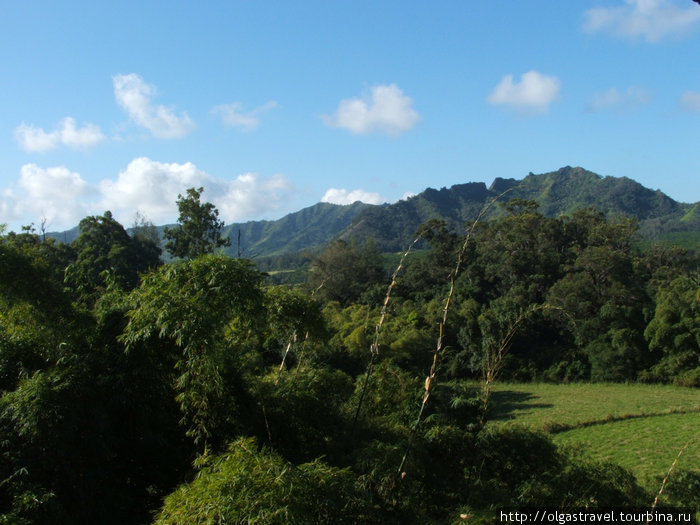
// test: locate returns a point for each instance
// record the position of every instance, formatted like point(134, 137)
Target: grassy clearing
point(640, 427)
point(646, 446)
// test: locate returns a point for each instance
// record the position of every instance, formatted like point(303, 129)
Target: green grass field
point(640, 427)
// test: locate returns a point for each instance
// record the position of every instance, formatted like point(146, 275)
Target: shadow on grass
point(556, 428)
point(504, 402)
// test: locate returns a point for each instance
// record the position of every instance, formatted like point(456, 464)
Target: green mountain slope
point(661, 219)
point(392, 226)
point(299, 231)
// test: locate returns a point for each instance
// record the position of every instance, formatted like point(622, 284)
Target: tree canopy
point(199, 229)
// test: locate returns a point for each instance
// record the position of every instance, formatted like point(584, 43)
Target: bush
point(248, 485)
point(689, 378)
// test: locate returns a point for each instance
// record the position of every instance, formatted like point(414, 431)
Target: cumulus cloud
point(10, 209)
point(651, 20)
point(250, 194)
point(690, 101)
point(145, 185)
point(343, 196)
point(136, 97)
point(56, 193)
point(385, 109)
point(534, 93)
point(233, 115)
point(612, 99)
point(152, 187)
point(31, 138)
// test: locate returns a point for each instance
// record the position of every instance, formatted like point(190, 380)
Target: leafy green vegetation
point(199, 229)
point(199, 392)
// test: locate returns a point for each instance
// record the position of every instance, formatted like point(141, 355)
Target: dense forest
point(199, 392)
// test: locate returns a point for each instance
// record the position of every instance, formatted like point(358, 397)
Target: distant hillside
point(392, 226)
point(302, 230)
point(561, 192)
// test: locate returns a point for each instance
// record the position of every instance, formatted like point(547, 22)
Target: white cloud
point(384, 110)
point(152, 187)
point(55, 193)
point(136, 98)
point(31, 138)
point(612, 99)
point(10, 209)
point(690, 101)
point(651, 20)
point(250, 195)
point(534, 93)
point(233, 115)
point(145, 185)
point(343, 196)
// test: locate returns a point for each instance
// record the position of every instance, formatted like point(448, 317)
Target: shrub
point(249, 485)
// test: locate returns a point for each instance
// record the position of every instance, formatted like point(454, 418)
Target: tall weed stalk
point(494, 356)
point(293, 339)
point(374, 347)
point(668, 474)
point(431, 380)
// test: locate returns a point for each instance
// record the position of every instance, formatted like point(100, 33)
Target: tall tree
point(199, 228)
point(344, 271)
point(205, 310)
point(674, 332)
point(105, 248)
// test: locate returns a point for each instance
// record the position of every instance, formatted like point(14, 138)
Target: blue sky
point(272, 106)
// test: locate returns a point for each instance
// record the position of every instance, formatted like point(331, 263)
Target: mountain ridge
point(392, 226)
point(557, 193)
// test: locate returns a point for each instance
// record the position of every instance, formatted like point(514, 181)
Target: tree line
point(589, 304)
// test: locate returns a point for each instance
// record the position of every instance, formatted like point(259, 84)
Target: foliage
point(343, 271)
point(87, 433)
point(106, 253)
point(206, 309)
point(36, 315)
point(428, 276)
point(135, 378)
point(674, 332)
point(248, 485)
point(293, 320)
point(300, 412)
point(199, 228)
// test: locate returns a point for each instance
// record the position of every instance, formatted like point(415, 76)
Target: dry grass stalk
point(494, 363)
point(374, 347)
point(267, 425)
point(494, 360)
point(430, 381)
point(293, 339)
point(668, 474)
